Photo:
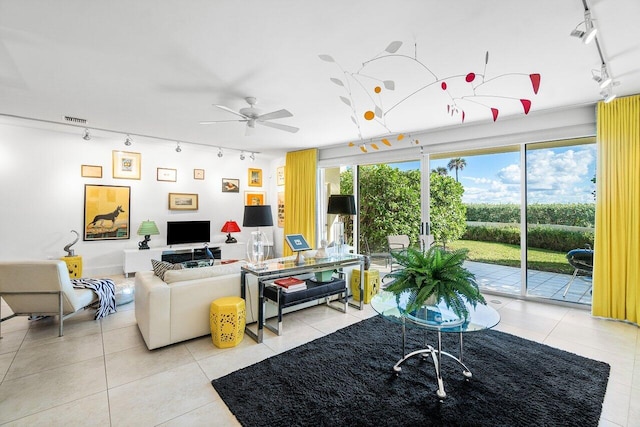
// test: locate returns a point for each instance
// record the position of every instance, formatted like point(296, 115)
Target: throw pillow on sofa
point(161, 267)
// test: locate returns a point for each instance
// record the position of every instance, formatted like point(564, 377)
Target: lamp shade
point(257, 216)
point(342, 204)
point(230, 227)
point(148, 228)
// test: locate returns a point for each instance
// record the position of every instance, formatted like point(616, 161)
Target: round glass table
point(438, 318)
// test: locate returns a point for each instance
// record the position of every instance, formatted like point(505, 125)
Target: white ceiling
point(149, 67)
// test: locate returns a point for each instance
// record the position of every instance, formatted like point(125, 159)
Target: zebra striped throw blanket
point(105, 289)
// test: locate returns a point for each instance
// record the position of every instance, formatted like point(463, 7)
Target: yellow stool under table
point(371, 284)
point(227, 318)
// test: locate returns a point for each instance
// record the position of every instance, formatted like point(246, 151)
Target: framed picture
point(255, 177)
point(280, 175)
point(106, 212)
point(253, 198)
point(126, 165)
point(165, 174)
point(183, 202)
point(230, 185)
point(198, 174)
point(281, 209)
point(91, 171)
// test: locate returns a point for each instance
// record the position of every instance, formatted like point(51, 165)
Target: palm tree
point(440, 170)
point(458, 164)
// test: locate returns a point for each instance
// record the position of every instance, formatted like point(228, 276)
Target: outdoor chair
point(397, 243)
point(582, 261)
point(41, 288)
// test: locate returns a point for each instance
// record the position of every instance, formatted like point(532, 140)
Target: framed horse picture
point(106, 212)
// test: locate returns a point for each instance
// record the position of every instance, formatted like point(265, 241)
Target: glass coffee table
point(438, 318)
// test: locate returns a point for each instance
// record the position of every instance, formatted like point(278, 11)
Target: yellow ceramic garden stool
point(371, 284)
point(74, 265)
point(227, 319)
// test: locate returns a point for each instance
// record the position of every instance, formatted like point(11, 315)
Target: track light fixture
point(87, 135)
point(178, 149)
point(604, 79)
point(128, 141)
point(252, 156)
point(242, 155)
point(589, 33)
point(608, 95)
point(220, 153)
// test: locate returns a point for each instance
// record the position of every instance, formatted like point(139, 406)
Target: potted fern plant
point(433, 276)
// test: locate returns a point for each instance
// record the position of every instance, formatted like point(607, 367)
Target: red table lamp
point(230, 227)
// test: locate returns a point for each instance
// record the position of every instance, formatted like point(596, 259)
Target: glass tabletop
point(289, 266)
point(438, 317)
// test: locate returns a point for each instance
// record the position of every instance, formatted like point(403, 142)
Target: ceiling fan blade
point(222, 107)
point(279, 126)
point(275, 115)
point(211, 122)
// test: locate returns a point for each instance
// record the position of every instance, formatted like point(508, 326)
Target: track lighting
point(220, 154)
point(604, 79)
point(589, 33)
point(242, 155)
point(128, 141)
point(608, 95)
point(178, 149)
point(87, 135)
point(252, 156)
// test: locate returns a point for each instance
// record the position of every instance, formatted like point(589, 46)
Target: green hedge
point(574, 214)
point(538, 237)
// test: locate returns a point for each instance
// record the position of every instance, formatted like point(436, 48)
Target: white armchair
point(41, 288)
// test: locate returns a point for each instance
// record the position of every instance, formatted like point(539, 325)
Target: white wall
point(42, 191)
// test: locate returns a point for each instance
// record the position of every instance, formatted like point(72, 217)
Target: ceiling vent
point(74, 120)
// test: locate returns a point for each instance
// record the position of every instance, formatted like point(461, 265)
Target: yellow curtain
point(616, 273)
point(300, 196)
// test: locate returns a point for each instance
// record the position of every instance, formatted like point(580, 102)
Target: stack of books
point(291, 284)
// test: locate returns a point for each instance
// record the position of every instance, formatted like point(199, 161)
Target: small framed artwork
point(126, 165)
point(106, 212)
point(280, 175)
point(198, 174)
point(230, 185)
point(255, 177)
point(183, 202)
point(253, 198)
point(165, 174)
point(91, 171)
point(281, 209)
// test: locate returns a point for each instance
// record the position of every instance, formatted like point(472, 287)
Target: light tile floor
point(101, 373)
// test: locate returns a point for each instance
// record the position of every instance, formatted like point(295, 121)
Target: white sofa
point(177, 308)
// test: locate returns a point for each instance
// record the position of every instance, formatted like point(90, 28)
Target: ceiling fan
point(251, 116)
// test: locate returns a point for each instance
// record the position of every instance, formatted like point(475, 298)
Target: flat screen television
point(181, 232)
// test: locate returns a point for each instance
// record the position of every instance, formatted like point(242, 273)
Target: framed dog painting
point(106, 212)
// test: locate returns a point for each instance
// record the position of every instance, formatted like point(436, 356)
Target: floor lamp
point(257, 216)
point(340, 204)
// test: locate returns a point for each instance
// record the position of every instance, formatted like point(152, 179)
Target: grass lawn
point(504, 254)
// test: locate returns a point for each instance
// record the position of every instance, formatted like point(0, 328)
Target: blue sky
point(555, 175)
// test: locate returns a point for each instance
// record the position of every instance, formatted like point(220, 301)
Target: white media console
point(140, 259)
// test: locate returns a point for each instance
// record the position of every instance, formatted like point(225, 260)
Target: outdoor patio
point(507, 280)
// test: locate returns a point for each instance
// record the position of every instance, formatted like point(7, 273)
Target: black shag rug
point(346, 379)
